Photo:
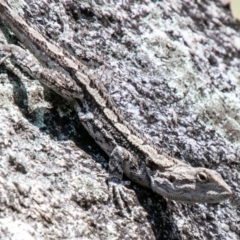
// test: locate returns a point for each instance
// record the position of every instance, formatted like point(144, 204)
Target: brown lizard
point(129, 151)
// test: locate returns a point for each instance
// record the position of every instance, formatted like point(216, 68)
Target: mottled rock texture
point(173, 67)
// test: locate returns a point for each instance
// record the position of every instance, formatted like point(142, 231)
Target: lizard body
point(129, 151)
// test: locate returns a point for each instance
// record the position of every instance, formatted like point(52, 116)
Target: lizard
point(129, 151)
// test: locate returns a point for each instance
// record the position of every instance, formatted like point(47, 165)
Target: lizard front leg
point(119, 161)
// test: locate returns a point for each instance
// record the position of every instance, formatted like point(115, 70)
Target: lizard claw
point(4, 58)
point(123, 197)
point(235, 200)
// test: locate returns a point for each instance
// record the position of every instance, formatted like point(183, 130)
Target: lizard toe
point(123, 198)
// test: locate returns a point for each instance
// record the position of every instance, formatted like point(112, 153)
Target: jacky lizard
point(129, 151)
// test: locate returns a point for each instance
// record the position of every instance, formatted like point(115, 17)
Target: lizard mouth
point(206, 199)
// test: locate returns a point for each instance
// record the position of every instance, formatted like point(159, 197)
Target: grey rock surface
point(173, 67)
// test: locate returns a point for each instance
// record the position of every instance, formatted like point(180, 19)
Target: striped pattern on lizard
point(129, 151)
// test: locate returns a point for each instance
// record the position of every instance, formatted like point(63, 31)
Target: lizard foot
point(5, 57)
point(235, 200)
point(123, 197)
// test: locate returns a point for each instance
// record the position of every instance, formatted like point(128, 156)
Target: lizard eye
point(202, 177)
point(171, 179)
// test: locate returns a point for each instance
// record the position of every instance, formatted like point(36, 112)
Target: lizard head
point(185, 183)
